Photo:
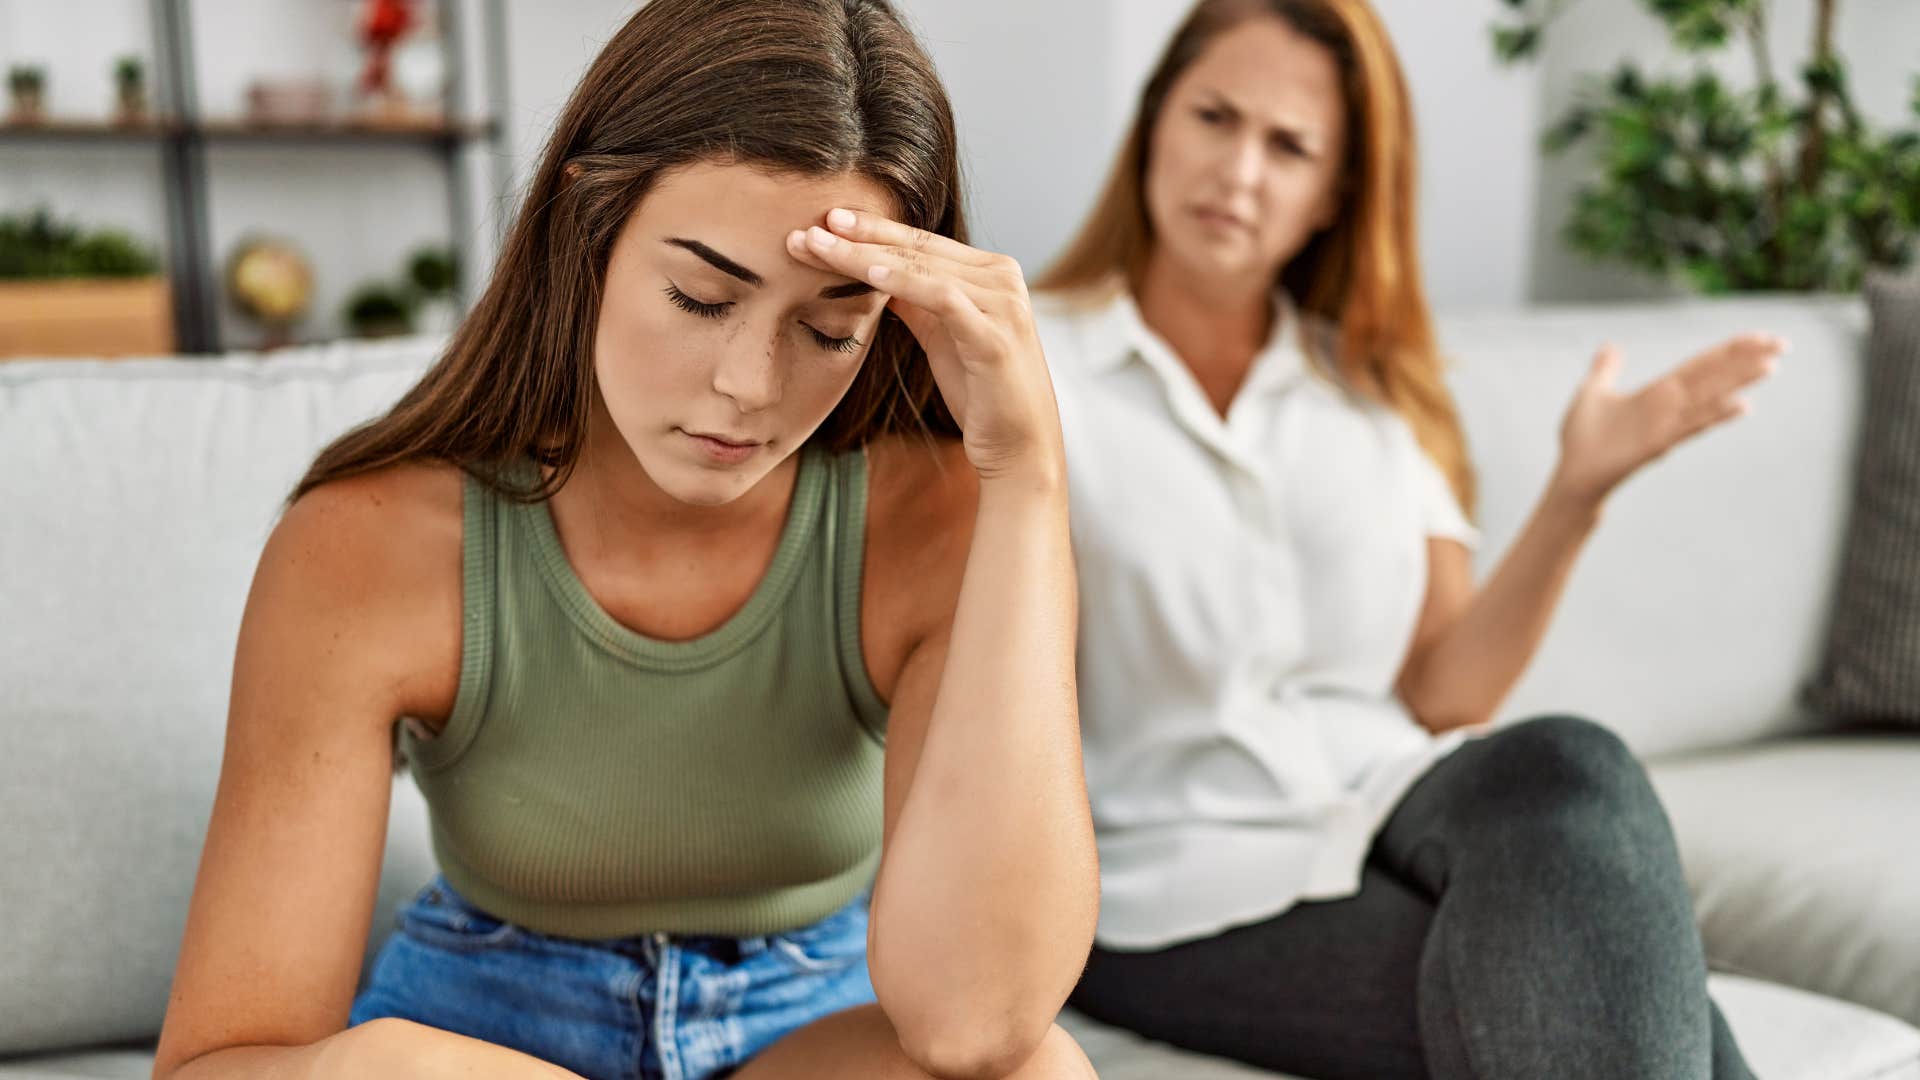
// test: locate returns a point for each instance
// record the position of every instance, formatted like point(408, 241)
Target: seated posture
point(1306, 861)
point(716, 587)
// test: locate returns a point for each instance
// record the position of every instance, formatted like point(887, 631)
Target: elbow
point(1439, 716)
point(954, 1035)
point(961, 1048)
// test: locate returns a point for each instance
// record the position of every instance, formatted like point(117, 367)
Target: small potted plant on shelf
point(68, 292)
point(379, 310)
point(130, 81)
point(432, 277)
point(27, 84)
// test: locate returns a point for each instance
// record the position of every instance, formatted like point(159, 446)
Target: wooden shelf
point(184, 139)
point(242, 130)
point(76, 128)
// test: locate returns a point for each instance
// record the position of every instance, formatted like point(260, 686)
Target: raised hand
point(970, 311)
point(1607, 435)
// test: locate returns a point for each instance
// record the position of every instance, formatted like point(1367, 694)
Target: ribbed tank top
point(592, 782)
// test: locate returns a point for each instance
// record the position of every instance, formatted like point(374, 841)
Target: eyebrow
point(1221, 100)
point(733, 269)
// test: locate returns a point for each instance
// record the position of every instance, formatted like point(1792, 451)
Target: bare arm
point(1471, 648)
point(987, 893)
point(328, 656)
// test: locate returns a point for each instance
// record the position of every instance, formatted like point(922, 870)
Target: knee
point(1567, 764)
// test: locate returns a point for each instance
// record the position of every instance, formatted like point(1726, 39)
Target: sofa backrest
point(1701, 604)
point(137, 496)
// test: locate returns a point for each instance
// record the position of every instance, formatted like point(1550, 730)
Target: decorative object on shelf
point(421, 302)
point(433, 276)
point(65, 291)
point(313, 117)
point(270, 281)
point(37, 246)
point(379, 310)
point(381, 24)
point(27, 86)
point(420, 69)
point(289, 101)
point(1733, 190)
point(130, 86)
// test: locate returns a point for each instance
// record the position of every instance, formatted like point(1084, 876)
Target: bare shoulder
point(921, 499)
point(377, 558)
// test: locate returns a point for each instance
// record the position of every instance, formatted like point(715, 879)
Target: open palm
point(1608, 435)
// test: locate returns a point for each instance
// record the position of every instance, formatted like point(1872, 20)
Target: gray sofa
point(138, 494)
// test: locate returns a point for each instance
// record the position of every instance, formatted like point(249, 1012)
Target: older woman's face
point(1244, 164)
point(717, 354)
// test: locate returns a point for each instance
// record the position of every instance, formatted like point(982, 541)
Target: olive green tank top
point(592, 782)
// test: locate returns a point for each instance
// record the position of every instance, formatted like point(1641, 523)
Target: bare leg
point(860, 1042)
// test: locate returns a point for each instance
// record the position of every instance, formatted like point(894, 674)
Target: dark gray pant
point(1522, 916)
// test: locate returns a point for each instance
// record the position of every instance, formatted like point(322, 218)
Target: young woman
point(1305, 864)
point(649, 568)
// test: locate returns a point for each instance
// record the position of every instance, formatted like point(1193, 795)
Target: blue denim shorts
point(651, 1007)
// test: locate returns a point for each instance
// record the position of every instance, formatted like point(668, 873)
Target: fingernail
point(820, 237)
point(797, 238)
point(879, 274)
point(840, 219)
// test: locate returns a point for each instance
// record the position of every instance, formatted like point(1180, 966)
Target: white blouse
point(1248, 591)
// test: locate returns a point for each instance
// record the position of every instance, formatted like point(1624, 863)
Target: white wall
point(1042, 89)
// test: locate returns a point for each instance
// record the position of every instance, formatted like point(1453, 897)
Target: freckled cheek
point(821, 383)
point(646, 371)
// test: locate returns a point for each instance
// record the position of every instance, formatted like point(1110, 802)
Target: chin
point(706, 485)
point(1205, 260)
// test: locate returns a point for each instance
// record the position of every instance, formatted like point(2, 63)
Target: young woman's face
point(1244, 164)
point(717, 354)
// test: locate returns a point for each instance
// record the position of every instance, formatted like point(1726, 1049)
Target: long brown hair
point(1362, 274)
point(815, 87)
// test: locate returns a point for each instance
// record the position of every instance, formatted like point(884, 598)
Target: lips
point(734, 441)
point(1223, 217)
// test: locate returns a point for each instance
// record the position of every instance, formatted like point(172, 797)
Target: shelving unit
point(182, 135)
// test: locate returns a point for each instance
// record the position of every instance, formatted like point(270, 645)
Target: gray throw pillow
point(1871, 674)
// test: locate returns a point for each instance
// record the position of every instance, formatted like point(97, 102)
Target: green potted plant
point(1783, 186)
point(432, 277)
point(27, 85)
point(378, 309)
point(65, 291)
point(422, 301)
point(130, 84)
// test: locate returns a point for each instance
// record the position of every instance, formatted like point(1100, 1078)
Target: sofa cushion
point(1733, 539)
point(1872, 669)
point(1801, 858)
point(139, 494)
point(1784, 1034)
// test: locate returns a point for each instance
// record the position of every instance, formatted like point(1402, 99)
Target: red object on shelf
point(382, 22)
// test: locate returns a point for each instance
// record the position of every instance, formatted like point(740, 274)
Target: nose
point(1241, 163)
point(750, 377)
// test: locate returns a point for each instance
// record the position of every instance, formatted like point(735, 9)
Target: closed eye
point(681, 300)
point(846, 344)
point(697, 307)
